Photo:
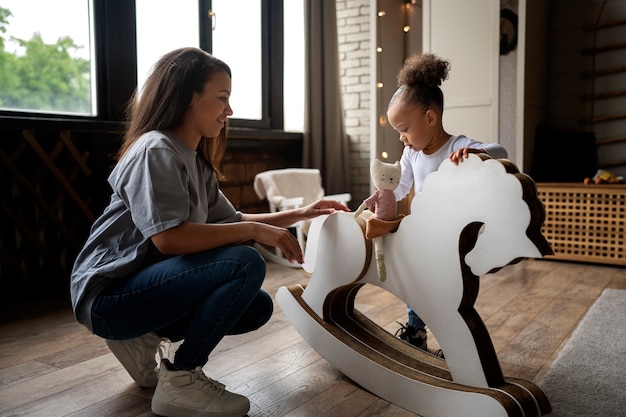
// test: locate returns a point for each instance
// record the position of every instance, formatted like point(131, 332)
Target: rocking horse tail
point(341, 232)
point(313, 235)
point(335, 255)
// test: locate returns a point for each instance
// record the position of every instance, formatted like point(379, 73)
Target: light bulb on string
point(382, 121)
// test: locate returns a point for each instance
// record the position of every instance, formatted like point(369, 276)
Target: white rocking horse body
point(470, 219)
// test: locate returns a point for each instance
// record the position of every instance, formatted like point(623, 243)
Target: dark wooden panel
point(54, 184)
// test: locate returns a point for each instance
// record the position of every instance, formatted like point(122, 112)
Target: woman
point(168, 259)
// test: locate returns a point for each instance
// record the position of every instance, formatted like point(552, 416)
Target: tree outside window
point(41, 75)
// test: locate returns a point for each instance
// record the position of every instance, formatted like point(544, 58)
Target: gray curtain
point(325, 141)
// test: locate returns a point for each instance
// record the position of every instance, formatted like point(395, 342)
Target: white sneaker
point(140, 356)
point(193, 394)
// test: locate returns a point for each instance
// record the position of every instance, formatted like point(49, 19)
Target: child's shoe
point(414, 336)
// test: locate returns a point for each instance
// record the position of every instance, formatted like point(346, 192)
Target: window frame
point(272, 45)
point(116, 68)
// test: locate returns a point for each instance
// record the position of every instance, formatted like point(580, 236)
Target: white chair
point(287, 189)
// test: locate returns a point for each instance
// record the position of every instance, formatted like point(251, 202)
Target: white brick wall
point(353, 31)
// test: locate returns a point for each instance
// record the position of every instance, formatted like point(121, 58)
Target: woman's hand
point(271, 228)
point(322, 207)
point(458, 155)
point(284, 240)
point(281, 238)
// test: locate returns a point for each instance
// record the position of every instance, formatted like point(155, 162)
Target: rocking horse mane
point(479, 177)
point(537, 210)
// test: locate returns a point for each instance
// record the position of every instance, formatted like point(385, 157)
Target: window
point(241, 39)
point(111, 45)
point(163, 26)
point(294, 66)
point(47, 65)
point(236, 40)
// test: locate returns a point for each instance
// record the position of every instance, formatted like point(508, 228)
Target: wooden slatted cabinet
point(585, 222)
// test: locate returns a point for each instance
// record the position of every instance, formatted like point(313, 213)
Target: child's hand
point(458, 155)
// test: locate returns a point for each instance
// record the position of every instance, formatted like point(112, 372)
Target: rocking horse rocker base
point(469, 382)
point(401, 374)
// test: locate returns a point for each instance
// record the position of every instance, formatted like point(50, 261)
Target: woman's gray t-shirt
point(158, 184)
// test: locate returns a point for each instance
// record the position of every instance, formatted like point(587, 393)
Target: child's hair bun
point(423, 70)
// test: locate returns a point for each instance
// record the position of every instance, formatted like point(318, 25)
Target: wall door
point(467, 34)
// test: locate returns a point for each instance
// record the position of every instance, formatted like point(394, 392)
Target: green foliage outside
point(46, 77)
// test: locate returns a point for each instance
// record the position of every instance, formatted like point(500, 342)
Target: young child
point(415, 111)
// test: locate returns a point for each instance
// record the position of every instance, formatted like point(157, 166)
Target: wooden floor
point(52, 366)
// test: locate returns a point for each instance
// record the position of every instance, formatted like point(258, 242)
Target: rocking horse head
point(484, 206)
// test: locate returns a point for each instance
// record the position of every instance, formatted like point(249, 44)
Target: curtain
point(325, 144)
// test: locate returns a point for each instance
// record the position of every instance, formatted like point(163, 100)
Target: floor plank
point(52, 366)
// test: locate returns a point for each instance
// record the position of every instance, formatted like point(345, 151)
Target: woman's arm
point(288, 217)
point(189, 238)
point(267, 228)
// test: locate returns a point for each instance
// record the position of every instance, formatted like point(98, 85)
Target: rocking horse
point(469, 220)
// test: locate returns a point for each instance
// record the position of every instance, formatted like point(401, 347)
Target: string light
point(406, 28)
point(379, 86)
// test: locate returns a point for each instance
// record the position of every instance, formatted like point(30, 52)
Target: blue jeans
point(415, 320)
point(199, 298)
